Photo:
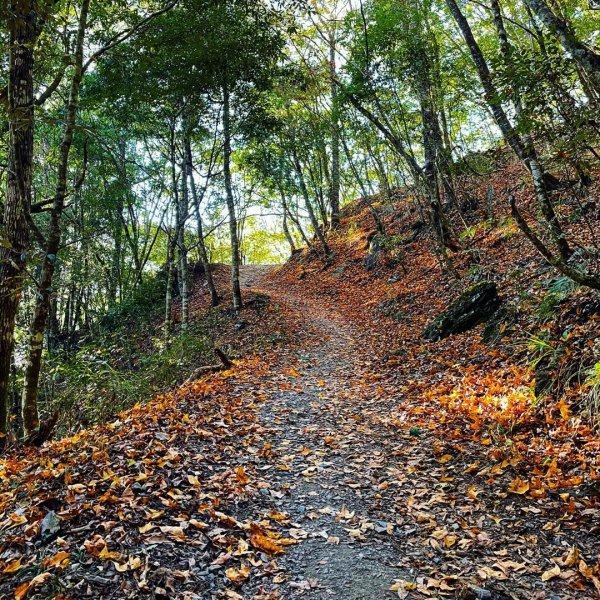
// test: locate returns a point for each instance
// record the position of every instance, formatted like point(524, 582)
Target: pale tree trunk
point(22, 25)
point(309, 207)
point(583, 55)
point(178, 240)
point(235, 246)
point(184, 283)
point(170, 268)
point(210, 282)
point(38, 325)
point(334, 190)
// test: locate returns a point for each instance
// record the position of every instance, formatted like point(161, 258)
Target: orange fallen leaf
point(59, 560)
point(238, 575)
point(518, 486)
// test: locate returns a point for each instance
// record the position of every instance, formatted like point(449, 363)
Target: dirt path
point(346, 551)
point(197, 494)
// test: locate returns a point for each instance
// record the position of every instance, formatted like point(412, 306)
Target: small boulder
point(370, 261)
point(474, 306)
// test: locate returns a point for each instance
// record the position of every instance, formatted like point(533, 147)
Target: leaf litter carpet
point(291, 475)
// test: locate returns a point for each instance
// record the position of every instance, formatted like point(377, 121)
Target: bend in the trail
point(346, 551)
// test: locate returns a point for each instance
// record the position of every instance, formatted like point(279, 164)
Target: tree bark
point(184, 283)
point(233, 228)
point(23, 26)
point(171, 241)
point(210, 282)
point(38, 325)
point(582, 54)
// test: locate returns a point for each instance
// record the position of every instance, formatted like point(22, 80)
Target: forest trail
point(347, 550)
point(298, 473)
point(370, 498)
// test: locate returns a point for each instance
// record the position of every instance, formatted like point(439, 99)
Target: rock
point(50, 527)
point(370, 261)
point(480, 593)
point(473, 307)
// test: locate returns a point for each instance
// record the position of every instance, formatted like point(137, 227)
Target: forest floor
point(298, 473)
point(342, 456)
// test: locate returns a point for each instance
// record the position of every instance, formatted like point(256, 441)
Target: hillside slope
point(343, 455)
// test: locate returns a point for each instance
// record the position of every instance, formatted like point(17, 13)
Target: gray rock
point(476, 305)
point(50, 527)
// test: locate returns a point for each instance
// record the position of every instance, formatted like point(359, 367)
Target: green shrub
point(100, 381)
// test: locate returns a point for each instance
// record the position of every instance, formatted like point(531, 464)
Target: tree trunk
point(286, 231)
point(334, 191)
point(210, 282)
point(311, 213)
point(235, 246)
point(525, 152)
point(169, 290)
point(582, 54)
point(184, 283)
point(38, 325)
point(23, 32)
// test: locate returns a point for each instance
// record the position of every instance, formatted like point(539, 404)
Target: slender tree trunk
point(286, 230)
point(583, 55)
point(233, 229)
point(182, 213)
point(295, 221)
point(115, 264)
point(311, 213)
point(23, 32)
point(38, 325)
point(210, 282)
point(170, 268)
point(334, 190)
point(525, 152)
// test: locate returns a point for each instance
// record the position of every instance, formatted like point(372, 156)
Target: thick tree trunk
point(23, 32)
point(210, 282)
point(38, 325)
point(233, 233)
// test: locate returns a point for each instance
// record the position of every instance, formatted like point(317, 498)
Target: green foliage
point(141, 307)
point(557, 293)
point(591, 386)
point(103, 379)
